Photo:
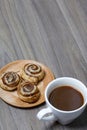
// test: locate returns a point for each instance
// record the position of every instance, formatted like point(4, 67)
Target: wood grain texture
point(53, 32)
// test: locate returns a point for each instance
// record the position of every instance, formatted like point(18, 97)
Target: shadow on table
point(80, 122)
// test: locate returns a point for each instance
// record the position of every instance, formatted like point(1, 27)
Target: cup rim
point(63, 111)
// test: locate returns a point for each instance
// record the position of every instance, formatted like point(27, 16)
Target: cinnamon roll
point(28, 92)
point(33, 73)
point(10, 81)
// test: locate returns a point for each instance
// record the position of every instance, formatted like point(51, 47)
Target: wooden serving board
point(12, 97)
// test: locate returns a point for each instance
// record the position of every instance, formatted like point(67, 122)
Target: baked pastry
point(10, 81)
point(28, 92)
point(33, 73)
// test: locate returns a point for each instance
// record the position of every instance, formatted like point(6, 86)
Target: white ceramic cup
point(52, 113)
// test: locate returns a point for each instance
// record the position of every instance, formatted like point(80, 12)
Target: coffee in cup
point(66, 98)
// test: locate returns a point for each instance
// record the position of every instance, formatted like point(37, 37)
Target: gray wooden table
point(53, 32)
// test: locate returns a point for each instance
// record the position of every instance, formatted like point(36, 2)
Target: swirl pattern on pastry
point(10, 81)
point(33, 73)
point(28, 92)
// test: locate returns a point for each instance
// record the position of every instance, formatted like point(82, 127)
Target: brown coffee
point(66, 98)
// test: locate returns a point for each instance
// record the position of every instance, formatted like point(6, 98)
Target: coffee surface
point(66, 98)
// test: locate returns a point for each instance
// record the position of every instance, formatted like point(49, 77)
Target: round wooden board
point(12, 97)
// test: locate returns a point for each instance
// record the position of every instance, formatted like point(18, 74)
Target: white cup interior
point(66, 81)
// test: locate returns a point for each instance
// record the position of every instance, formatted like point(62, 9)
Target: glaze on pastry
point(28, 92)
point(10, 81)
point(33, 73)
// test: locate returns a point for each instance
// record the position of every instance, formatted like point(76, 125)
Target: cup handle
point(46, 114)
